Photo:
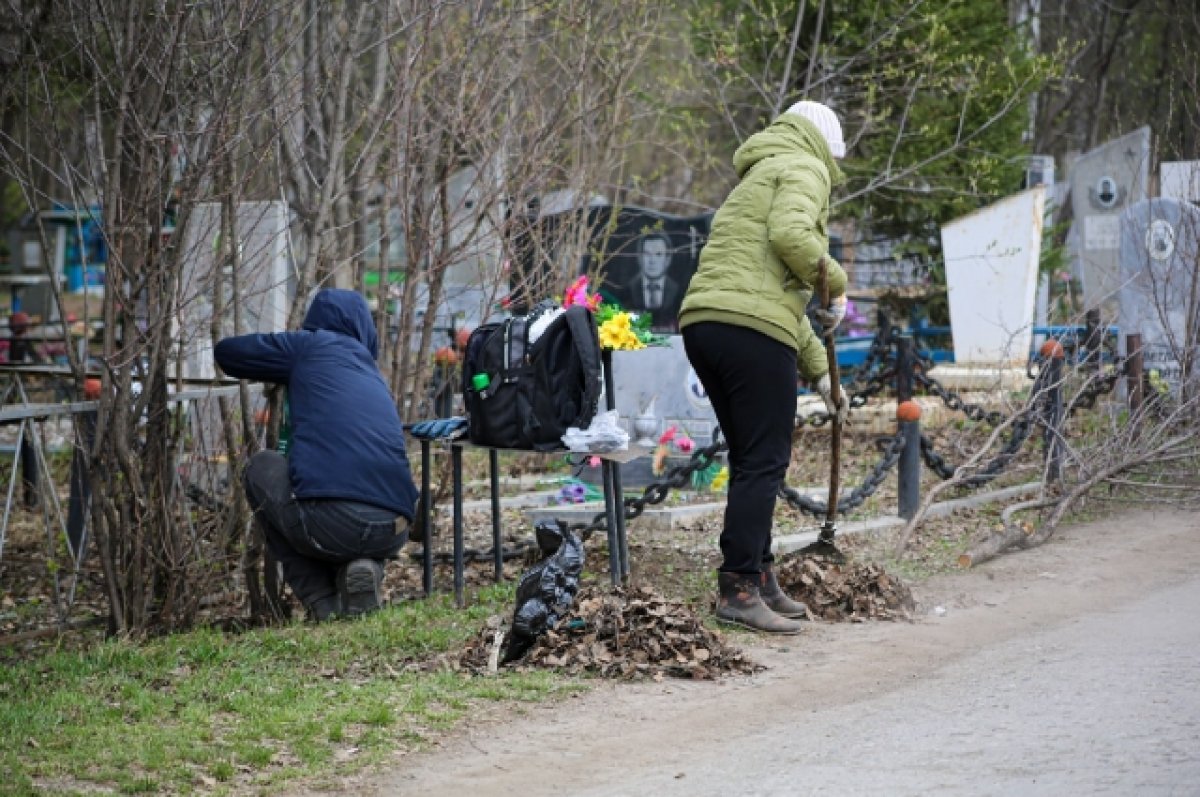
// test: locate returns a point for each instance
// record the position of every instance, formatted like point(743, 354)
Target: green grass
point(213, 712)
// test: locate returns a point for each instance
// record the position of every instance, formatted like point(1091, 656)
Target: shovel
point(824, 544)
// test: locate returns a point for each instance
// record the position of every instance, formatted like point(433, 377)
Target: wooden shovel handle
point(835, 391)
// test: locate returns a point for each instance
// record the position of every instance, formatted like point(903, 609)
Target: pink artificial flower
point(577, 293)
point(593, 461)
point(685, 444)
point(667, 436)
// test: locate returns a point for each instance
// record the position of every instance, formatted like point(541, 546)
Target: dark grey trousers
point(311, 539)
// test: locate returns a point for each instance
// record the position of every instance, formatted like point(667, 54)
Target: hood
point(787, 135)
point(346, 313)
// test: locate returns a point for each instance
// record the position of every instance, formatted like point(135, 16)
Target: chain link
point(892, 448)
point(1097, 385)
point(955, 402)
point(655, 493)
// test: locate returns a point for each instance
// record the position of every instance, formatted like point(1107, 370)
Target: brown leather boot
point(777, 599)
point(739, 603)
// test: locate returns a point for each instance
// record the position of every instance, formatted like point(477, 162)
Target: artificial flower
point(577, 294)
point(593, 461)
point(658, 464)
point(721, 480)
point(667, 436)
point(685, 444)
point(617, 333)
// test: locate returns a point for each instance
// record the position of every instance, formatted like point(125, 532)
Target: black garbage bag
point(547, 589)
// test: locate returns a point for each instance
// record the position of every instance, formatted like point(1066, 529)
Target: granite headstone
point(1160, 293)
point(1104, 182)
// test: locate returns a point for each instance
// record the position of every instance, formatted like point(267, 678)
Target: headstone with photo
point(640, 259)
point(1104, 182)
point(991, 278)
point(1160, 269)
point(646, 260)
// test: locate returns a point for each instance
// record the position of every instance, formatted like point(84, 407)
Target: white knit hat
point(826, 121)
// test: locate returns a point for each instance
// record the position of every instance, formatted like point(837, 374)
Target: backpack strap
point(587, 346)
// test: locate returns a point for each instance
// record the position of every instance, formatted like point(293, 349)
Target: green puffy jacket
point(760, 265)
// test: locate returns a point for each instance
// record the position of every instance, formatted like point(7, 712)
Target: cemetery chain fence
point(882, 368)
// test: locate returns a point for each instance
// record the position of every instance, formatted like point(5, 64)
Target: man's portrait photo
point(651, 288)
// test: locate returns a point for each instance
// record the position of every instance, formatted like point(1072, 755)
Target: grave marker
point(991, 278)
point(1160, 294)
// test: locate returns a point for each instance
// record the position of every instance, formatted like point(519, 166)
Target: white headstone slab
point(991, 278)
point(1179, 180)
point(662, 375)
point(1103, 183)
point(262, 280)
point(1160, 265)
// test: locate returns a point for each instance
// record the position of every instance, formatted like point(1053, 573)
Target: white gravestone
point(1179, 180)
point(263, 283)
point(991, 278)
point(663, 376)
point(1103, 183)
point(1160, 266)
point(262, 280)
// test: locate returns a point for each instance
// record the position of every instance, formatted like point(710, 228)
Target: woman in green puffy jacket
point(746, 334)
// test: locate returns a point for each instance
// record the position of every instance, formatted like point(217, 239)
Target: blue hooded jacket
point(347, 441)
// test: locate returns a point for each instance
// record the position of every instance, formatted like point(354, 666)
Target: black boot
point(360, 587)
point(739, 603)
point(324, 609)
point(777, 599)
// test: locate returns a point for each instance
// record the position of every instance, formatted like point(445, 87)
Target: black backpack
point(525, 395)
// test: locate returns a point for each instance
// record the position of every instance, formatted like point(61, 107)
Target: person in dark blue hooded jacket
point(341, 502)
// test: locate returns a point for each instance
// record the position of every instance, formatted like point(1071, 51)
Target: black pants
point(311, 539)
point(751, 381)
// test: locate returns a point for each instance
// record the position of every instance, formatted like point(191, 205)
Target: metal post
point(456, 468)
point(426, 521)
point(1053, 415)
point(908, 486)
point(80, 494)
point(1093, 337)
point(618, 491)
point(1135, 372)
point(610, 516)
point(497, 543)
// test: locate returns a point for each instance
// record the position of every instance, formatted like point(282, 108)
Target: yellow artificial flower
point(617, 333)
point(720, 481)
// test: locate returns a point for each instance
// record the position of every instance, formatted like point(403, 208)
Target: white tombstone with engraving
point(991, 278)
point(1160, 295)
point(1103, 183)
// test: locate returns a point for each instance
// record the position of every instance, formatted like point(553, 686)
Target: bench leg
point(456, 465)
point(619, 503)
point(427, 520)
point(497, 548)
point(607, 469)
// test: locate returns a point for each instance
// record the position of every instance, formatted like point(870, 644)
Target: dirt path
point(1043, 665)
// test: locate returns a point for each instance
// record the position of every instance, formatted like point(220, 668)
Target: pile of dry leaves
point(850, 591)
point(631, 633)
